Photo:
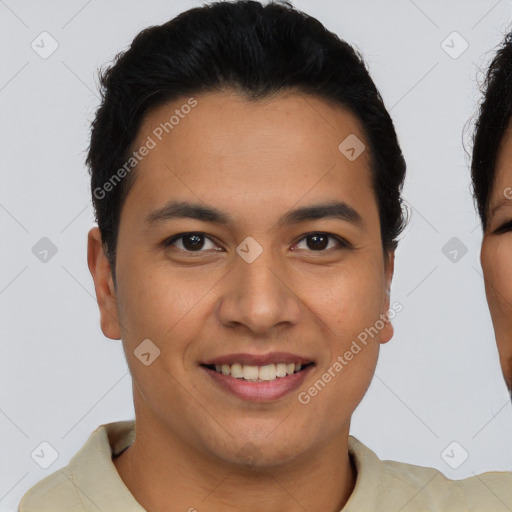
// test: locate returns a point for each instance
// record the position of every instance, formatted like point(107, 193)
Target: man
point(246, 179)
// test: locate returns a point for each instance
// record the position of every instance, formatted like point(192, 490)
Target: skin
point(495, 255)
point(198, 446)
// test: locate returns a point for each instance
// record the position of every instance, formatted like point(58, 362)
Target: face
point(496, 255)
point(234, 284)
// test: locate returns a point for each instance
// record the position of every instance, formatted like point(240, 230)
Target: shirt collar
point(104, 489)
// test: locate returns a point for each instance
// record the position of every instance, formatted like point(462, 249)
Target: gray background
point(438, 381)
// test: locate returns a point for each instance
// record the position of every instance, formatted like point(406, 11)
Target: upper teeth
point(250, 372)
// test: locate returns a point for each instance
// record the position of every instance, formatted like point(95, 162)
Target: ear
point(386, 332)
point(104, 285)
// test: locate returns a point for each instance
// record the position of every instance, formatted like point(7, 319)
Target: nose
point(259, 295)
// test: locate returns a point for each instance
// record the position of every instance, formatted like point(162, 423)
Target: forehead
point(227, 146)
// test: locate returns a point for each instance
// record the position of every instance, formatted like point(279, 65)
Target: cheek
point(497, 267)
point(354, 299)
point(157, 302)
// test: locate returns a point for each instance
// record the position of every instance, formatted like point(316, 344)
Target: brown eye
point(317, 242)
point(320, 241)
point(507, 226)
point(190, 242)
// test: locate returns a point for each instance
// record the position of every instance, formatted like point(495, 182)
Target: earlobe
point(99, 267)
point(387, 331)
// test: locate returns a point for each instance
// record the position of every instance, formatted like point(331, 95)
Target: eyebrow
point(184, 209)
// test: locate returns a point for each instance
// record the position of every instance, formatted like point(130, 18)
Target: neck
point(164, 473)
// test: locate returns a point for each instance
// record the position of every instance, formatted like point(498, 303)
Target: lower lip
point(260, 391)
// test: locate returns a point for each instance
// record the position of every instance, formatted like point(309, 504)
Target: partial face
point(496, 256)
point(235, 297)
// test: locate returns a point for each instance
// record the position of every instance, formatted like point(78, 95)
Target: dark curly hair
point(257, 50)
point(493, 117)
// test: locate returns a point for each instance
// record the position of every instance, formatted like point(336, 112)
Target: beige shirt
point(91, 483)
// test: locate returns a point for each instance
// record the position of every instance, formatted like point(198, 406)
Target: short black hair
point(493, 118)
point(256, 50)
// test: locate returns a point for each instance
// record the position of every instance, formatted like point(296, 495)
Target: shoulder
point(90, 480)
point(489, 491)
point(389, 485)
point(56, 492)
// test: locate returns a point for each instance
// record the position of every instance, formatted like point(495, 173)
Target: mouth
point(254, 373)
point(258, 378)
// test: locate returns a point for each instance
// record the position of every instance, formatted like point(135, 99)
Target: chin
point(506, 367)
point(507, 374)
point(259, 454)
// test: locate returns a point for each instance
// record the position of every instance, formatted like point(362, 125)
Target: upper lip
point(259, 359)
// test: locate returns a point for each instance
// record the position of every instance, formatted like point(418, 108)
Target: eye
point(507, 226)
point(197, 241)
point(189, 242)
point(319, 242)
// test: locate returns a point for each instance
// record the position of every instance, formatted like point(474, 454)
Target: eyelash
point(343, 244)
point(507, 226)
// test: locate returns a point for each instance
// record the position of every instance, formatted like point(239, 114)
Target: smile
point(253, 373)
point(276, 375)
